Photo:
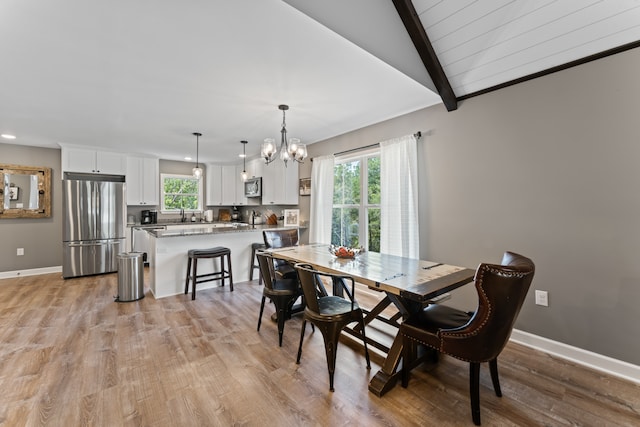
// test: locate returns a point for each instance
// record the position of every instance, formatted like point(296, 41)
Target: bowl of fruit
point(345, 251)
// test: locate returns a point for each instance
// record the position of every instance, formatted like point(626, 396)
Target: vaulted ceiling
point(141, 76)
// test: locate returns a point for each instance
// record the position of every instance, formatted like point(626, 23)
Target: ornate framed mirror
point(25, 191)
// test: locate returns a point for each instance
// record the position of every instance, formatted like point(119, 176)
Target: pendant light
point(244, 160)
point(289, 148)
point(197, 171)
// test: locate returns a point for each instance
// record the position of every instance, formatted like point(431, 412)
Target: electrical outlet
point(542, 298)
point(20, 251)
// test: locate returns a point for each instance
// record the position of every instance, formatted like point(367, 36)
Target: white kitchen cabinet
point(229, 185)
point(143, 181)
point(93, 161)
point(225, 186)
point(280, 184)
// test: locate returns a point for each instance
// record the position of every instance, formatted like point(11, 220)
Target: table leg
point(385, 379)
point(387, 376)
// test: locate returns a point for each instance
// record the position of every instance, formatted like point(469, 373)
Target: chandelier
point(197, 171)
point(289, 148)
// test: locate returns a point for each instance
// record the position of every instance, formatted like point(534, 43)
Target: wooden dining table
point(409, 284)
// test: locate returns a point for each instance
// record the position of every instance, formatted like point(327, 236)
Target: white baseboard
point(30, 272)
point(592, 360)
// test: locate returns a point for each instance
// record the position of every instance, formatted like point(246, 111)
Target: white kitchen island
point(168, 249)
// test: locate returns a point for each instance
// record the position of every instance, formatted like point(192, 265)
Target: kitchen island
point(168, 249)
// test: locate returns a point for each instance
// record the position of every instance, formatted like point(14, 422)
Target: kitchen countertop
point(212, 228)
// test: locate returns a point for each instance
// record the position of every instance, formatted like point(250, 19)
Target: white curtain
point(321, 200)
point(399, 231)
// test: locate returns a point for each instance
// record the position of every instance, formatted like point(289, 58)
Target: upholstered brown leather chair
point(282, 292)
point(473, 337)
point(330, 313)
point(275, 239)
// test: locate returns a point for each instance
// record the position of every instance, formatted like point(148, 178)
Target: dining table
point(408, 284)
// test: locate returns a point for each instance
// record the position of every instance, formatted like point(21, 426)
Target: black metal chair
point(283, 238)
point(282, 292)
point(330, 313)
point(473, 337)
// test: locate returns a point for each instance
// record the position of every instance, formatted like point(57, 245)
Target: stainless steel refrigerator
point(93, 225)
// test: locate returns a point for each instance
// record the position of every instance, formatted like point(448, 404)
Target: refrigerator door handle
point(78, 244)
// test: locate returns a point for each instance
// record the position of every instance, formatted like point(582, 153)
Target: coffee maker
point(148, 217)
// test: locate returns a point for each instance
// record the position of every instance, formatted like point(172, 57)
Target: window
point(181, 192)
point(356, 202)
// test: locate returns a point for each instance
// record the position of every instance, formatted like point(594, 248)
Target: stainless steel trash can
point(130, 276)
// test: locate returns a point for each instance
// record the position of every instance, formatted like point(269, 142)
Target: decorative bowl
point(345, 251)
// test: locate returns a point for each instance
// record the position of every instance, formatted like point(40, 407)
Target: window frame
point(364, 205)
point(200, 195)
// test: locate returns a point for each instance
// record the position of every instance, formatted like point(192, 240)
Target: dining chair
point(282, 292)
point(329, 313)
point(283, 238)
point(478, 336)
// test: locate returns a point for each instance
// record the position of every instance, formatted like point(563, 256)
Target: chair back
point(501, 292)
point(311, 286)
point(265, 262)
point(280, 238)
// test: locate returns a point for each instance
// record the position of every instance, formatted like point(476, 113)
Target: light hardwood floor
point(71, 356)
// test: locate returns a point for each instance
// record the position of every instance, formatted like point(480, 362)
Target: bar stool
point(217, 252)
point(255, 247)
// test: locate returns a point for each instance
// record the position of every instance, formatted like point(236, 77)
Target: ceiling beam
point(418, 35)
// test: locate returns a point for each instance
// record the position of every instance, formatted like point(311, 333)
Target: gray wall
point(40, 238)
point(547, 168)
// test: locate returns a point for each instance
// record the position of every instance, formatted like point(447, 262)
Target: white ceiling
point(141, 76)
point(481, 44)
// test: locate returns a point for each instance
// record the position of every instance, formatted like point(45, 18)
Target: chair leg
point(331, 335)
point(474, 390)
point(304, 326)
point(194, 278)
point(221, 270)
point(261, 310)
point(186, 282)
point(230, 272)
point(251, 266)
point(406, 356)
point(281, 318)
point(493, 367)
point(364, 339)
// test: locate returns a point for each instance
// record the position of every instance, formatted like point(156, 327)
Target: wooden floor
point(71, 356)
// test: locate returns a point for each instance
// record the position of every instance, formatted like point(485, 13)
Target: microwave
point(253, 187)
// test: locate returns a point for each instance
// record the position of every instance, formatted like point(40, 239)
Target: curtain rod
point(418, 135)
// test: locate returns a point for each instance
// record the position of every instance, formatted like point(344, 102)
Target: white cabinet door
point(108, 162)
point(143, 186)
point(240, 199)
point(290, 185)
point(151, 181)
point(280, 184)
point(271, 179)
point(78, 160)
point(214, 185)
point(229, 182)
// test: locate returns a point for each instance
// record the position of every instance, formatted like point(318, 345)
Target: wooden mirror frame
point(44, 192)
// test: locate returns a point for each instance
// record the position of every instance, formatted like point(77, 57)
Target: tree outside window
point(356, 219)
point(181, 192)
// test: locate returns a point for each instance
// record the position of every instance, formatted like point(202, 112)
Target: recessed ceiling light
point(242, 156)
point(188, 158)
point(7, 136)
